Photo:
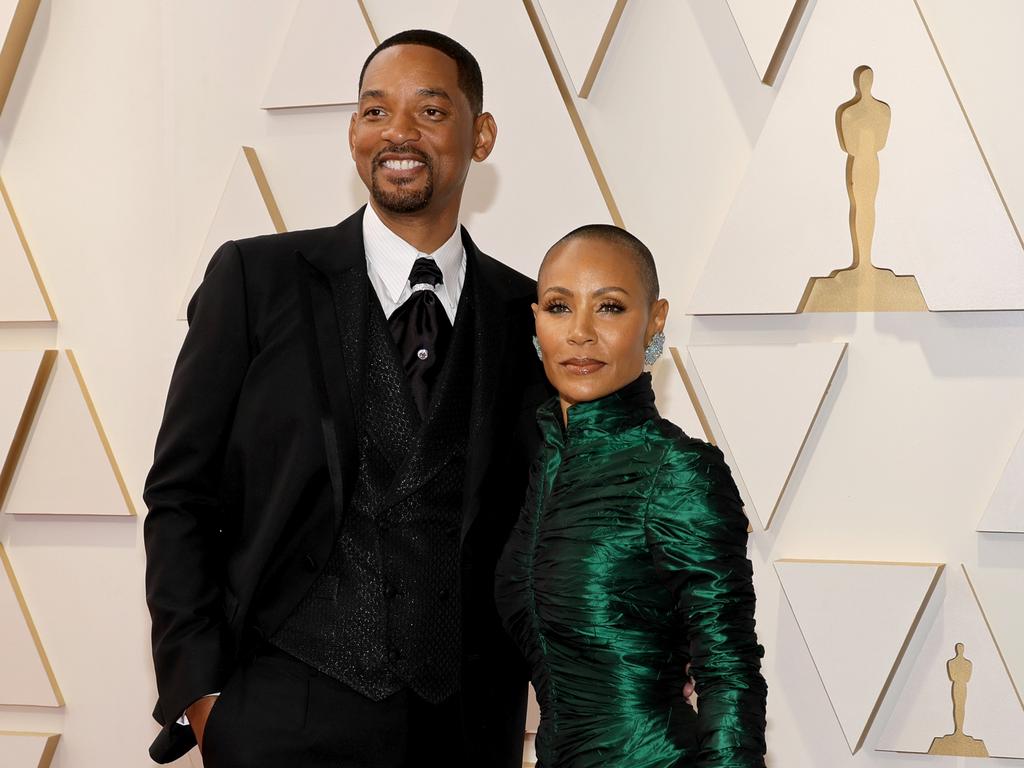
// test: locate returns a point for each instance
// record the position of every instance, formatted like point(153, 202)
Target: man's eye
point(373, 112)
point(433, 113)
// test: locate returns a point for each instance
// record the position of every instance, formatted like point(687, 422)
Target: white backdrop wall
point(116, 143)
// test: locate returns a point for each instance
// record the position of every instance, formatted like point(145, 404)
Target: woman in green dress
point(629, 560)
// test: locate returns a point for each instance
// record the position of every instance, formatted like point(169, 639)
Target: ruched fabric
point(628, 562)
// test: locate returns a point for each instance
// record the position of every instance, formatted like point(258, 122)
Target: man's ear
point(352, 134)
point(485, 133)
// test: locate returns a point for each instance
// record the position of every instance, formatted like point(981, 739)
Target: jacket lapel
point(334, 302)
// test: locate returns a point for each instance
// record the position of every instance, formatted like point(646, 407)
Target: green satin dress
point(629, 561)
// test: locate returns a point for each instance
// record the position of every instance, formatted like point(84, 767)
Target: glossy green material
point(629, 556)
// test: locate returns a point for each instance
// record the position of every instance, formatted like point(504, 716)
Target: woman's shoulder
point(682, 452)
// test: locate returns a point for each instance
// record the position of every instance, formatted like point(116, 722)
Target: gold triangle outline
point(49, 748)
point(23, 605)
point(602, 48)
point(27, 251)
point(939, 569)
point(47, 361)
point(14, 45)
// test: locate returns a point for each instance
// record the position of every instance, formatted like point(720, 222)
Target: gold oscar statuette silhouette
point(863, 126)
point(958, 743)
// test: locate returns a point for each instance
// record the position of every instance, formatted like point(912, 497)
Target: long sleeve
point(696, 532)
point(192, 647)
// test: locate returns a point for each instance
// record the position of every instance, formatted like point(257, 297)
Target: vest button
point(422, 354)
point(394, 654)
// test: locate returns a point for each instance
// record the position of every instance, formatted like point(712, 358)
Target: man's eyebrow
point(438, 92)
point(371, 93)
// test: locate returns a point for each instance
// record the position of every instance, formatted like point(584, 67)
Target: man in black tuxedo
point(344, 450)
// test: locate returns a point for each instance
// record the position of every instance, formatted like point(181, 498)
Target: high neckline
point(614, 413)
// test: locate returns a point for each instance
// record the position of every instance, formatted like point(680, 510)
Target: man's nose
point(400, 129)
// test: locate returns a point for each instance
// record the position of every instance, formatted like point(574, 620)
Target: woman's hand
point(198, 713)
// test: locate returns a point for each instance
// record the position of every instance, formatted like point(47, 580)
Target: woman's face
point(594, 318)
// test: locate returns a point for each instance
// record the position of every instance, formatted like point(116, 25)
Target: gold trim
point(785, 41)
point(28, 251)
point(14, 45)
point(369, 22)
point(28, 417)
point(100, 431)
point(52, 739)
point(602, 48)
point(970, 125)
point(20, 597)
point(992, 634)
point(574, 115)
point(688, 383)
point(264, 186)
point(939, 568)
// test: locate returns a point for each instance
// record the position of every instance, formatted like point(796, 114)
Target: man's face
point(413, 135)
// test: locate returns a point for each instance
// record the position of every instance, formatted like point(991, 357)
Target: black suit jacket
point(257, 455)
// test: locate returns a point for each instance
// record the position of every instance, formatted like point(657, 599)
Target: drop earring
point(536, 345)
point(654, 349)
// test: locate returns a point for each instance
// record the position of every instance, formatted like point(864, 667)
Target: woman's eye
point(611, 306)
point(556, 307)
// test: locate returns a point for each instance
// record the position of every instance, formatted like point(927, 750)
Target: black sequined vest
point(384, 614)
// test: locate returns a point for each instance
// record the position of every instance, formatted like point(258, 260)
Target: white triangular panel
point(21, 294)
point(18, 369)
point(16, 19)
point(924, 709)
point(765, 399)
point(938, 214)
point(242, 212)
point(67, 467)
point(1005, 511)
point(326, 45)
point(27, 750)
point(861, 611)
point(25, 676)
point(962, 31)
point(499, 33)
point(579, 28)
point(761, 24)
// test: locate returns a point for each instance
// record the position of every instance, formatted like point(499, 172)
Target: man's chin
point(399, 203)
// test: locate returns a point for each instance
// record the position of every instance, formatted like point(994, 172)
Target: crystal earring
point(536, 345)
point(654, 349)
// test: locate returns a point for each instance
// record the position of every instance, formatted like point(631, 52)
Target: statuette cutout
point(863, 126)
point(959, 669)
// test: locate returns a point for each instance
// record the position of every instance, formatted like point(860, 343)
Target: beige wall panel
point(980, 44)
point(1005, 511)
point(939, 216)
point(537, 184)
point(322, 56)
point(923, 709)
point(842, 618)
point(22, 295)
point(388, 18)
point(243, 212)
point(25, 675)
point(766, 398)
point(67, 467)
point(27, 750)
point(582, 30)
point(767, 27)
point(16, 19)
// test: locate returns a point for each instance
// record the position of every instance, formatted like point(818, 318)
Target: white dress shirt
point(389, 261)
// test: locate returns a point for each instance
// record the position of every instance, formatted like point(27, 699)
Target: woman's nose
point(582, 329)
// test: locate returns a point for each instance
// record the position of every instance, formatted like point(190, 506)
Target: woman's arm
point(697, 534)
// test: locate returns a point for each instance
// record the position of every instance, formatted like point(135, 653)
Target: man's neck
point(426, 232)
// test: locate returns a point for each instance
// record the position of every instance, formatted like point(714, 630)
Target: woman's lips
point(582, 366)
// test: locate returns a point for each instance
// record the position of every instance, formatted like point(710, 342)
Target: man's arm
point(192, 646)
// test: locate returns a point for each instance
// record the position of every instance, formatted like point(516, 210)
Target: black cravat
point(421, 330)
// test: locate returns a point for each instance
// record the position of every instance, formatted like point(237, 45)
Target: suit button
point(394, 654)
point(310, 563)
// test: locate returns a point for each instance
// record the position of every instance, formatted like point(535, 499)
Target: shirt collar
point(392, 258)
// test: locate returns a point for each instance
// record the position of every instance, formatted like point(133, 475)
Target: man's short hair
point(471, 82)
point(617, 236)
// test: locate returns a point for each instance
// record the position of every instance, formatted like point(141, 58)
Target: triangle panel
point(582, 36)
point(19, 371)
point(939, 216)
point(25, 675)
point(67, 466)
point(924, 709)
point(27, 750)
point(322, 56)
point(765, 399)
point(833, 602)
point(23, 297)
point(765, 26)
point(1005, 510)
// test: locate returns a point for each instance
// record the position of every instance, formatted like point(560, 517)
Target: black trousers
point(277, 712)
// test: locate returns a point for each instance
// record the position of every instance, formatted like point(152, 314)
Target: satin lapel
point(335, 306)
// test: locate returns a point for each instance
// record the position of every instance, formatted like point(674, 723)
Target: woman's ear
point(659, 314)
